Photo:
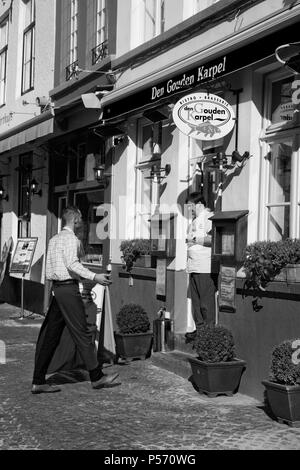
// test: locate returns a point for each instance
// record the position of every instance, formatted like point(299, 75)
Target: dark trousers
point(203, 287)
point(66, 309)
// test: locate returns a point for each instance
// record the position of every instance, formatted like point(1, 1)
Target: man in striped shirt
point(64, 269)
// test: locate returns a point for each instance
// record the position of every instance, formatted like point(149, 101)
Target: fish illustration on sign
point(206, 129)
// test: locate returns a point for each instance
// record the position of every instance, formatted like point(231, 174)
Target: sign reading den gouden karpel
point(203, 116)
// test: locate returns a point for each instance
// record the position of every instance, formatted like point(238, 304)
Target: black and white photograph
point(149, 228)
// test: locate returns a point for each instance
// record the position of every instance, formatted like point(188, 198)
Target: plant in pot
point(136, 252)
point(134, 338)
point(216, 370)
point(265, 261)
point(283, 386)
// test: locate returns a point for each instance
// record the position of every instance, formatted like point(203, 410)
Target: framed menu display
point(23, 255)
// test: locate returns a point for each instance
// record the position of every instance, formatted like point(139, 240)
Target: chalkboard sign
point(23, 255)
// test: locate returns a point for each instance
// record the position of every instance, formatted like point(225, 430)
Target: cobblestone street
point(147, 409)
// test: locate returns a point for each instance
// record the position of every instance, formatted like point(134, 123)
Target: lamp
point(34, 186)
point(289, 55)
point(159, 172)
point(100, 175)
point(2, 191)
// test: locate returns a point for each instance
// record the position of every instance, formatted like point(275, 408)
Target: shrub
point(214, 343)
point(132, 318)
point(264, 260)
point(282, 368)
point(133, 249)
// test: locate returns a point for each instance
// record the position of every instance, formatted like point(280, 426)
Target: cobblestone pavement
point(147, 409)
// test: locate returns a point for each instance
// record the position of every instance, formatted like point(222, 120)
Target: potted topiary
point(215, 369)
point(283, 386)
point(136, 252)
point(134, 339)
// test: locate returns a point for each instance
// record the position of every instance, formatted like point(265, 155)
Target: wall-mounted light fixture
point(222, 160)
point(34, 188)
point(159, 172)
point(101, 176)
point(289, 56)
point(2, 192)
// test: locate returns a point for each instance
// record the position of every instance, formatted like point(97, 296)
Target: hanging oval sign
point(203, 116)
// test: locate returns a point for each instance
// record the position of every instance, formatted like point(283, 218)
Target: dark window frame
point(29, 28)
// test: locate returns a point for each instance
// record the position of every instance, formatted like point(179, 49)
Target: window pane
point(3, 34)
point(282, 107)
point(280, 173)
point(92, 214)
point(278, 223)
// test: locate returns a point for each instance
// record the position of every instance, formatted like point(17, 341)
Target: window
point(100, 51)
point(150, 136)
point(191, 7)
point(90, 204)
point(202, 4)
point(154, 18)
point(101, 21)
point(280, 184)
point(74, 31)
point(3, 59)
point(148, 18)
point(25, 165)
point(28, 46)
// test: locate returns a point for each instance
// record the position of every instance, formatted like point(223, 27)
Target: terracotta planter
point(284, 401)
point(133, 346)
point(217, 378)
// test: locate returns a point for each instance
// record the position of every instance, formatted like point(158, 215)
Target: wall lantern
point(34, 188)
point(159, 173)
point(2, 192)
point(289, 56)
point(101, 176)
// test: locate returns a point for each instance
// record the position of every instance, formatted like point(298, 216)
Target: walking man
point(203, 282)
point(64, 269)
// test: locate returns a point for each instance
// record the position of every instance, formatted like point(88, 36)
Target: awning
point(35, 128)
point(170, 81)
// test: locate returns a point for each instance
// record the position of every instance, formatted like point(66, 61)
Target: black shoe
point(45, 388)
point(106, 379)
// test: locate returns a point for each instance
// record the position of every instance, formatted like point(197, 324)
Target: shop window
point(25, 162)
point(91, 205)
point(279, 190)
point(149, 158)
point(280, 177)
point(3, 59)
point(28, 63)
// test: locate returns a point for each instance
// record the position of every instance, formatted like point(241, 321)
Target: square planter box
point(284, 401)
point(217, 378)
point(133, 346)
point(292, 273)
point(144, 261)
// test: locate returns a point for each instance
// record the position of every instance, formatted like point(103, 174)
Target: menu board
point(227, 284)
point(23, 255)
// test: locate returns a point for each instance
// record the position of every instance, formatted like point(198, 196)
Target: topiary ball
point(214, 343)
point(284, 368)
point(132, 318)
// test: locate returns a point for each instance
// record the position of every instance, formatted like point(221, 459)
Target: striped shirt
point(62, 260)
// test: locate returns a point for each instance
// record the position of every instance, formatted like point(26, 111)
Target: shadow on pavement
point(66, 377)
